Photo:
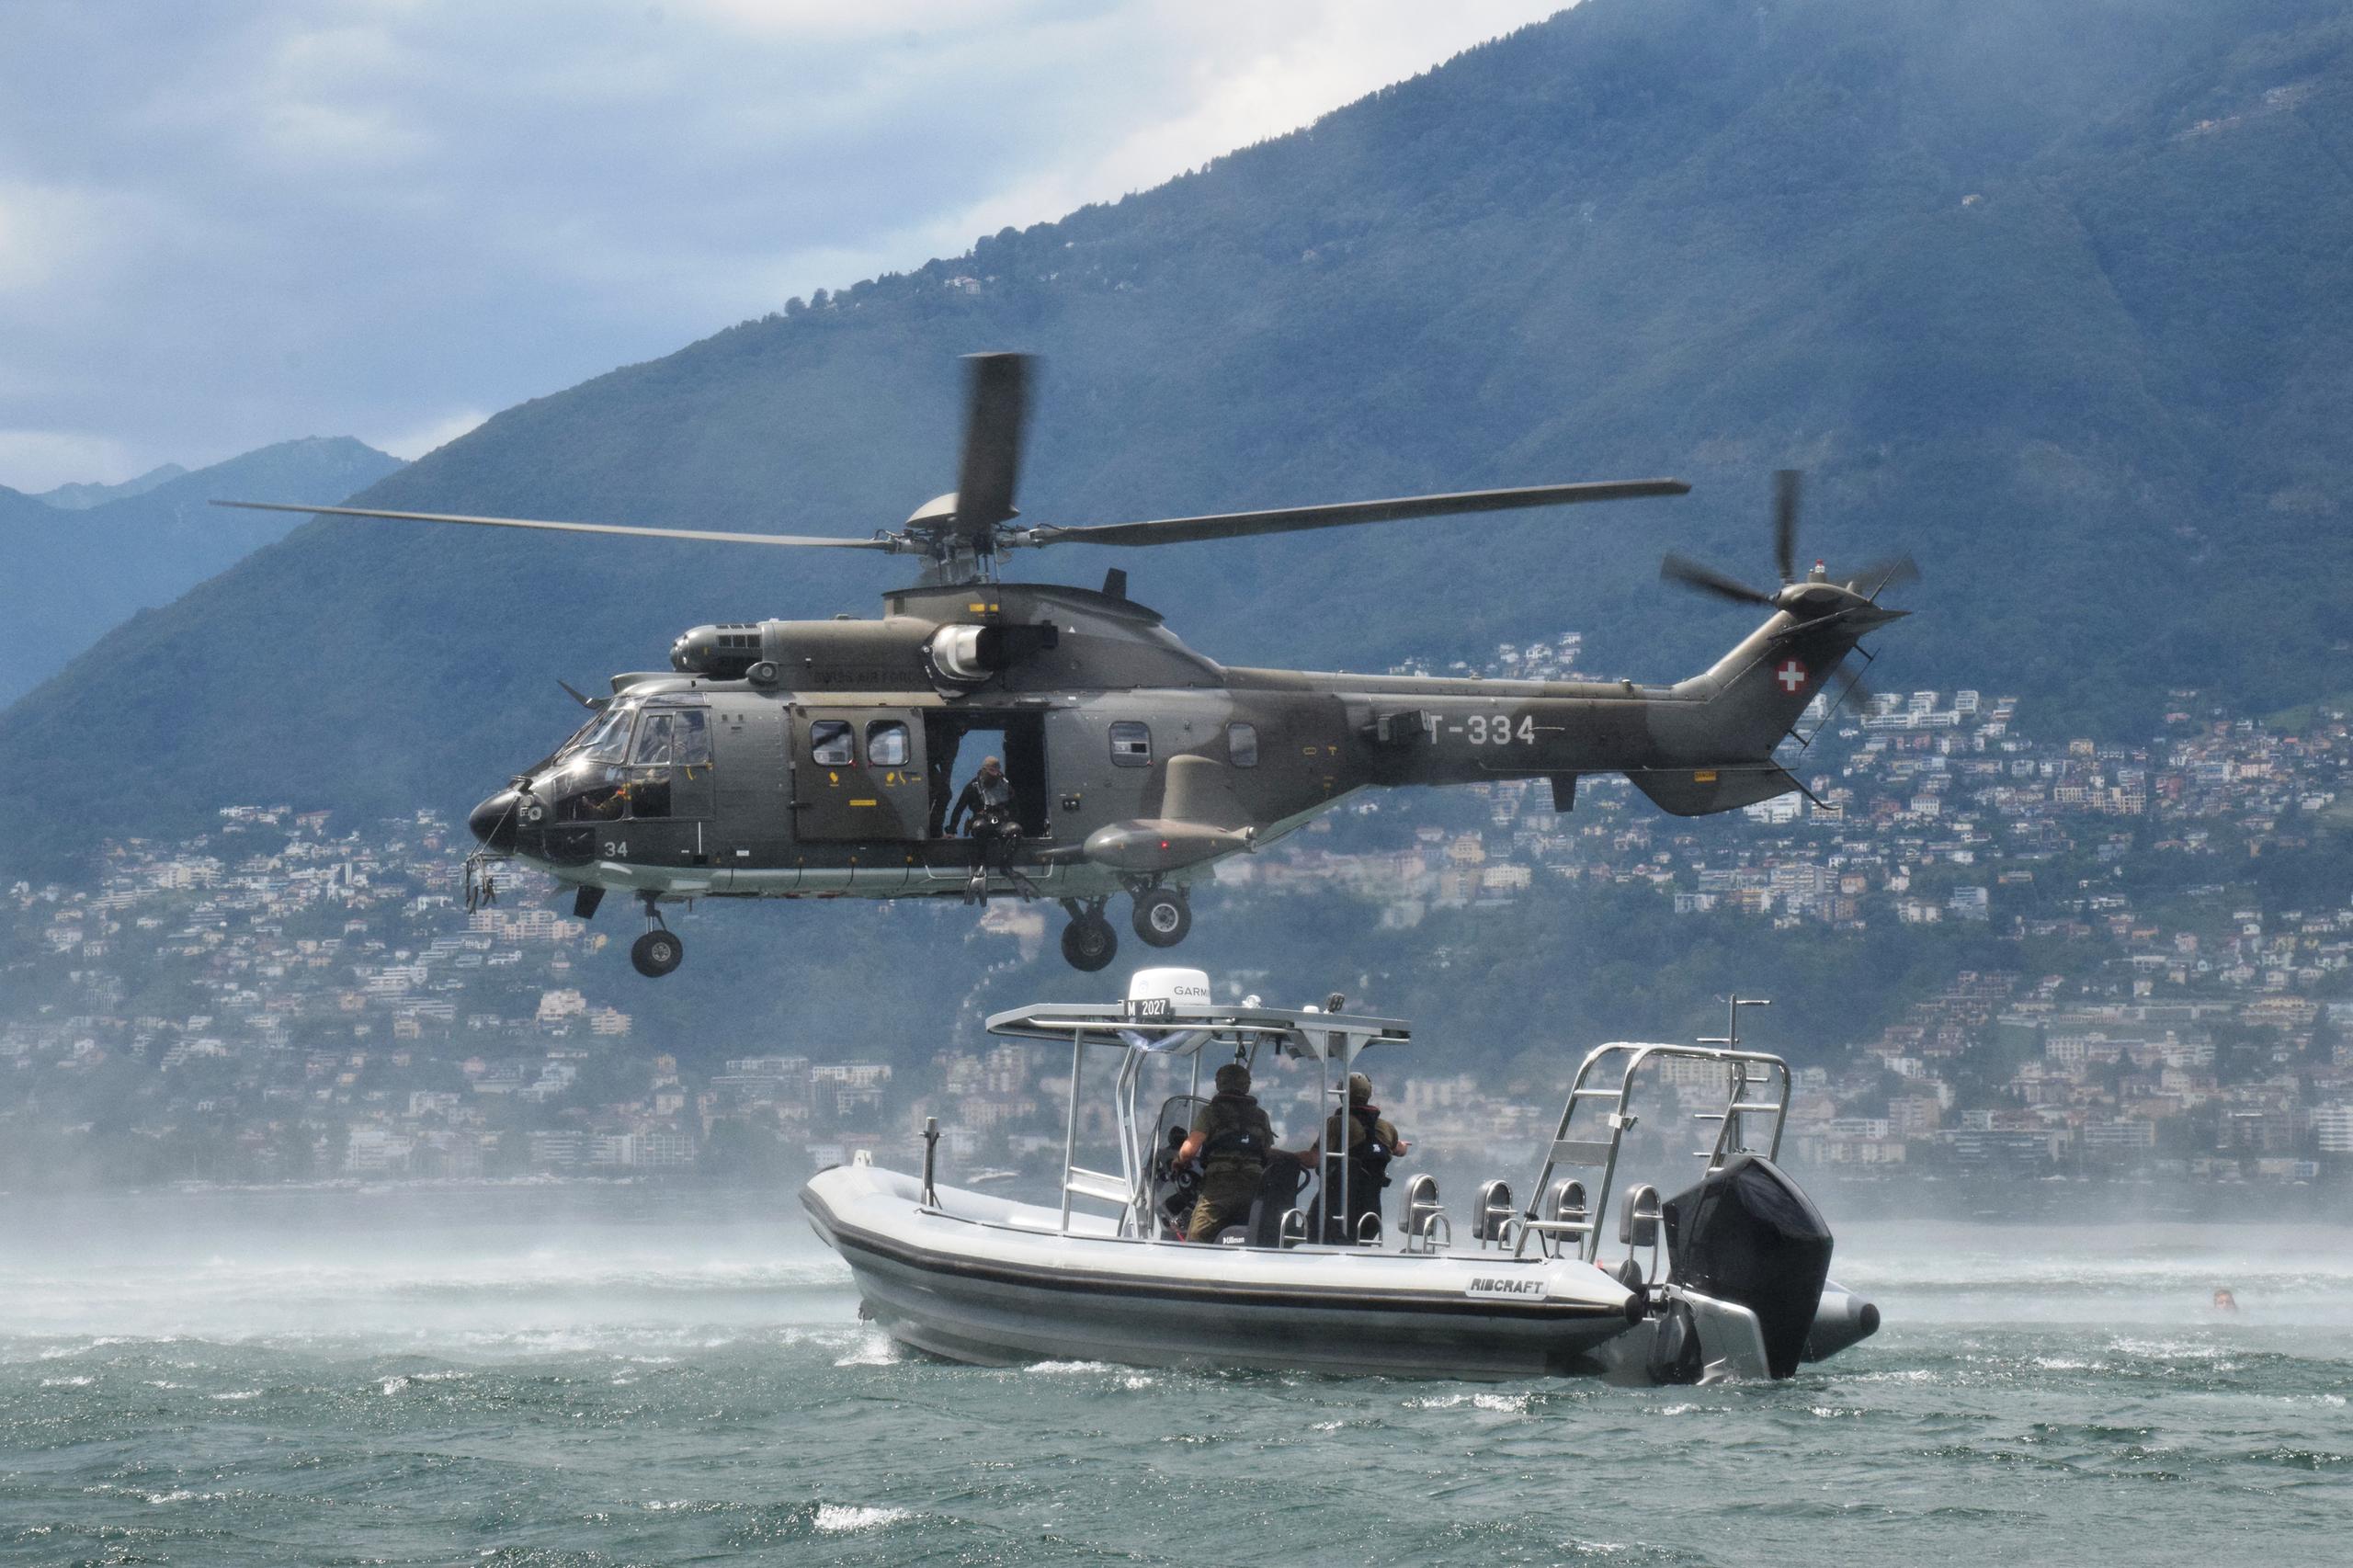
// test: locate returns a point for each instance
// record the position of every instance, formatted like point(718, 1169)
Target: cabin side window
point(1130, 744)
point(1241, 745)
point(886, 744)
point(831, 743)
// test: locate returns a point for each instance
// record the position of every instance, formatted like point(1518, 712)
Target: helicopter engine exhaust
point(966, 655)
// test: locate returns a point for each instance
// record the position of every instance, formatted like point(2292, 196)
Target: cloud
point(232, 225)
point(413, 442)
point(35, 460)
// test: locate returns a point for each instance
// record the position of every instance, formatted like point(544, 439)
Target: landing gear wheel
point(1162, 917)
point(656, 953)
point(1089, 943)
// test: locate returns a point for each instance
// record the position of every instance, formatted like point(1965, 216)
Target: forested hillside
point(2054, 294)
point(71, 570)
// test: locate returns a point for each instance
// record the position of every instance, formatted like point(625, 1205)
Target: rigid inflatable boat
point(1742, 1290)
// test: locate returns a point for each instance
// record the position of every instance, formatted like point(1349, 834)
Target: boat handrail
point(1100, 1185)
point(1618, 1119)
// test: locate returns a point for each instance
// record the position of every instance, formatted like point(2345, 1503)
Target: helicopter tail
point(1750, 700)
point(1703, 791)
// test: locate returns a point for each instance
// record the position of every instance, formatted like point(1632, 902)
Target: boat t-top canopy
point(1174, 1030)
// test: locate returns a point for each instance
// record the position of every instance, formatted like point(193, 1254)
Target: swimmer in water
point(2225, 1303)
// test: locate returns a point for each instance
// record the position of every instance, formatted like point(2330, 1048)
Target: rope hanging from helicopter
point(481, 883)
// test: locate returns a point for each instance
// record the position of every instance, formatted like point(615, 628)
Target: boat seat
point(1278, 1189)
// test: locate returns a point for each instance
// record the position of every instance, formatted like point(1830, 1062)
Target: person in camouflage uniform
point(1234, 1140)
point(1371, 1142)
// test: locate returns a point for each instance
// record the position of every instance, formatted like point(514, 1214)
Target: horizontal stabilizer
point(1702, 791)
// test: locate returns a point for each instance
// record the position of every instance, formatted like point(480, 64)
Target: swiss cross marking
point(1791, 675)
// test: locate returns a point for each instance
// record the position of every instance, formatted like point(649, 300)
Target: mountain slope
point(2054, 295)
point(82, 497)
point(69, 575)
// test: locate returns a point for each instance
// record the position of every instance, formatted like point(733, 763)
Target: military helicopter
point(815, 759)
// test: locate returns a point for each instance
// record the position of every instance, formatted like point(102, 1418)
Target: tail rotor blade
point(1784, 523)
point(1691, 573)
point(991, 462)
point(1880, 576)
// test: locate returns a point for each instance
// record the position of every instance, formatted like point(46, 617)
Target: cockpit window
point(572, 742)
point(602, 739)
point(831, 743)
point(597, 799)
point(694, 739)
point(655, 739)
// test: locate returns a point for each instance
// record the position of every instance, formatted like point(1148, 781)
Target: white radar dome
point(1168, 990)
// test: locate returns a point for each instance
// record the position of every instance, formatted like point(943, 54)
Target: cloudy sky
point(227, 224)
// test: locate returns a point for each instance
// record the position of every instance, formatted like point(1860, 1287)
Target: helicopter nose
point(493, 821)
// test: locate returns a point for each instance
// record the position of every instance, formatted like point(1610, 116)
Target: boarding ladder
point(1576, 1147)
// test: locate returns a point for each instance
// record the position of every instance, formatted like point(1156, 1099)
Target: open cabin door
point(858, 773)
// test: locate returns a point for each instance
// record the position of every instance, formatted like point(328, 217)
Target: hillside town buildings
point(292, 997)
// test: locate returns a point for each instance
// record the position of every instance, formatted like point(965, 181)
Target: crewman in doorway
point(985, 808)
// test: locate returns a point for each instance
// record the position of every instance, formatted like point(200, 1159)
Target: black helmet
point(1234, 1079)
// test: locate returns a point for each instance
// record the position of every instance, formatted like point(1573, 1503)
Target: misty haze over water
point(623, 1375)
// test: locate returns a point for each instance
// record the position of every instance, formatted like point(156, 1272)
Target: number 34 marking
point(1496, 729)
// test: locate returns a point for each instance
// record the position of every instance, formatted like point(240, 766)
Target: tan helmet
point(1359, 1089)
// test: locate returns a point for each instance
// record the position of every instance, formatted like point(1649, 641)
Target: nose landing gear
point(658, 951)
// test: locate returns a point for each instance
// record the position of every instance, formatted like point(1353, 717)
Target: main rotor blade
point(999, 406)
point(1343, 514)
point(714, 535)
point(1691, 573)
point(1784, 523)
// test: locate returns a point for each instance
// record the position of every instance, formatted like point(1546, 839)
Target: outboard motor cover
point(1746, 1234)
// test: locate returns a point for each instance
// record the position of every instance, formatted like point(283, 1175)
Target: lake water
point(576, 1376)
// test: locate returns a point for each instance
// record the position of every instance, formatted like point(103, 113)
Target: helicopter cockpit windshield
point(589, 784)
point(602, 739)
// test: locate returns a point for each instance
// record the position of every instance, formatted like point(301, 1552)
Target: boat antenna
point(1734, 1003)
